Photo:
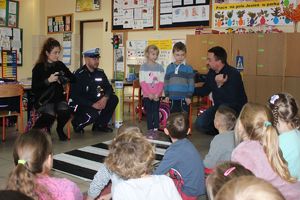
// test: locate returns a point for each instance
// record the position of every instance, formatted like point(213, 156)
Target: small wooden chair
point(11, 90)
point(133, 98)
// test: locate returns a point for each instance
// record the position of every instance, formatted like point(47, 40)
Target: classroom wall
point(35, 31)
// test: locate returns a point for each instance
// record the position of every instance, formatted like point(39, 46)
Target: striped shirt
point(179, 81)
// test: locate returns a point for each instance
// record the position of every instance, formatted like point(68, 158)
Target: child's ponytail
point(271, 147)
point(21, 179)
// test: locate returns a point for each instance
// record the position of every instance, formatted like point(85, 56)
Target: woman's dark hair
point(48, 45)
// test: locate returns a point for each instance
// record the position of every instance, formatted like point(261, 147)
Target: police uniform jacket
point(90, 87)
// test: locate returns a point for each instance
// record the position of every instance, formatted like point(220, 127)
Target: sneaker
point(151, 134)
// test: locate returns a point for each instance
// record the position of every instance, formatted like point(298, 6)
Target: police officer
point(92, 96)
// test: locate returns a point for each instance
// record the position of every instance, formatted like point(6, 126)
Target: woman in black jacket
point(49, 76)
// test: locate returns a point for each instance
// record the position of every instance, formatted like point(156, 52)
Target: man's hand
point(188, 101)
point(100, 104)
point(221, 79)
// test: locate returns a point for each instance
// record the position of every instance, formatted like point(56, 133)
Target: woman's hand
point(53, 77)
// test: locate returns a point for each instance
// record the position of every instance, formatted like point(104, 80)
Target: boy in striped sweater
point(179, 81)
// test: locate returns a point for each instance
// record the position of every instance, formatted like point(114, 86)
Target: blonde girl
point(258, 149)
point(152, 84)
point(248, 188)
point(131, 157)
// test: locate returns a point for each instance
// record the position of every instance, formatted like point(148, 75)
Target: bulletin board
point(184, 13)
point(60, 23)
point(133, 15)
point(12, 39)
point(9, 13)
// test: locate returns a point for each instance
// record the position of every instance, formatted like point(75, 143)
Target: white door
point(93, 36)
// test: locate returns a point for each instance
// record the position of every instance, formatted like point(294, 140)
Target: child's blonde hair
point(248, 188)
point(228, 117)
point(255, 123)
point(223, 173)
point(130, 156)
point(151, 47)
point(284, 107)
point(30, 152)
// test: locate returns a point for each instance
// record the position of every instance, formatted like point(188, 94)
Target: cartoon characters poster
point(240, 13)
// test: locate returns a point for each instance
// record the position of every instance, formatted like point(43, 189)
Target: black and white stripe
point(85, 162)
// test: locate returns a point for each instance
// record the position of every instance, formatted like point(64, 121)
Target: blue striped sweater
point(179, 81)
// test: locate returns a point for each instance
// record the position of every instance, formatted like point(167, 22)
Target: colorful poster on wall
point(240, 13)
point(133, 14)
point(2, 12)
point(87, 5)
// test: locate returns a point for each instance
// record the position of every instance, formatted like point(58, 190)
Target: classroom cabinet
point(271, 61)
point(270, 54)
point(292, 55)
point(291, 85)
point(198, 45)
point(245, 45)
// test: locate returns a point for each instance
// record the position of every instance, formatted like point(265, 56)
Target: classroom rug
point(84, 162)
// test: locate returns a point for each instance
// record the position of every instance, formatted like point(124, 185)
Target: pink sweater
point(59, 188)
point(152, 79)
point(252, 156)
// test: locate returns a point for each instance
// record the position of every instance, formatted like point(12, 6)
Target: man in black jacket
point(225, 84)
point(92, 95)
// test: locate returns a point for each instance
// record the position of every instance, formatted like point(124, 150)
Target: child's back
point(182, 158)
point(131, 157)
point(152, 187)
point(223, 144)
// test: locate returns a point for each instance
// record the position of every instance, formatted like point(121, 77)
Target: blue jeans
point(205, 122)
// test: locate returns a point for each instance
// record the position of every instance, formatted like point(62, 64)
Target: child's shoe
point(150, 134)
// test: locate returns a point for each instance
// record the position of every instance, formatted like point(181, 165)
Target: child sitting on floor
point(249, 188)
point(222, 145)
point(258, 149)
point(131, 157)
point(33, 160)
point(104, 175)
point(182, 160)
point(223, 173)
point(286, 120)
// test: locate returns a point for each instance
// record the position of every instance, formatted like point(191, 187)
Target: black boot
point(62, 136)
point(62, 118)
